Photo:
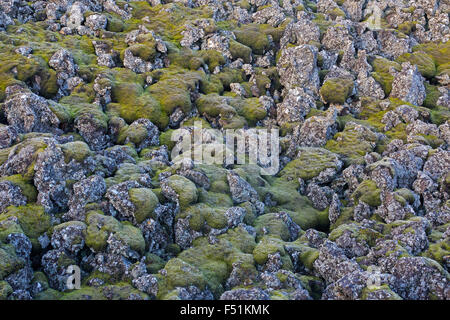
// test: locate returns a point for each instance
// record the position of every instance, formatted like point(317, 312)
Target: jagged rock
point(332, 263)
point(295, 106)
point(317, 130)
point(297, 67)
point(11, 195)
point(408, 85)
point(28, 112)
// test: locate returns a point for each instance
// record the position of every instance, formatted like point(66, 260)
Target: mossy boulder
point(310, 163)
point(363, 236)
point(212, 58)
point(432, 96)
point(269, 245)
point(438, 251)
point(5, 290)
point(424, 62)
point(353, 143)
point(145, 202)
point(367, 192)
point(185, 188)
point(239, 50)
point(9, 261)
point(183, 274)
point(118, 291)
point(381, 72)
point(99, 228)
point(370, 292)
point(130, 102)
point(76, 150)
point(27, 188)
point(32, 220)
point(253, 37)
point(253, 111)
point(208, 265)
point(271, 225)
point(440, 52)
point(336, 90)
point(201, 214)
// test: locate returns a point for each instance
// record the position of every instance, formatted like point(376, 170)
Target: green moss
point(440, 52)
point(185, 188)
point(135, 133)
point(218, 178)
point(307, 257)
point(253, 110)
point(322, 22)
point(8, 226)
point(443, 70)
point(438, 251)
point(183, 274)
point(130, 102)
point(406, 194)
point(145, 202)
point(99, 227)
point(353, 143)
point(367, 192)
point(271, 225)
point(336, 12)
point(432, 96)
point(407, 27)
point(32, 219)
point(336, 90)
point(239, 50)
point(214, 105)
point(345, 217)
point(76, 150)
point(5, 290)
point(213, 85)
point(251, 36)
point(430, 140)
point(440, 115)
point(215, 199)
point(34, 145)
point(165, 139)
point(145, 51)
point(423, 61)
point(119, 291)
point(381, 72)
point(4, 153)
point(310, 163)
point(275, 33)
point(385, 288)
point(209, 265)
point(9, 262)
point(268, 245)
point(114, 24)
point(228, 76)
point(311, 5)
point(49, 294)
point(173, 89)
point(362, 235)
point(26, 186)
point(212, 58)
point(154, 263)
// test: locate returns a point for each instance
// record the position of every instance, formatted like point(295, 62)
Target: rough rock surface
point(114, 119)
